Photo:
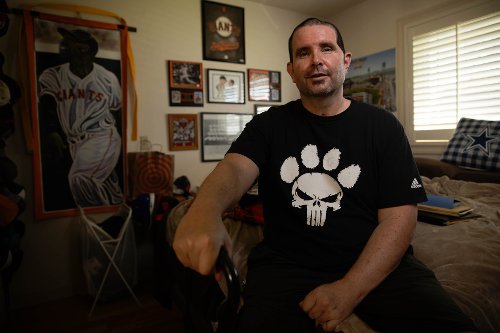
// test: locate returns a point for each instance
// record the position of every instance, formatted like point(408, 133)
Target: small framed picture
point(225, 86)
point(259, 108)
point(223, 32)
point(264, 85)
point(218, 131)
point(182, 131)
point(185, 83)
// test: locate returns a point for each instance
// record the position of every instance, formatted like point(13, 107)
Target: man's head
point(318, 61)
point(314, 21)
point(77, 43)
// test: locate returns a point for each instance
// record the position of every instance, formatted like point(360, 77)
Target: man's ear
point(289, 69)
point(347, 60)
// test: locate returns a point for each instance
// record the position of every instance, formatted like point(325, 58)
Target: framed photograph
point(223, 29)
point(218, 131)
point(264, 85)
point(372, 79)
point(225, 86)
point(78, 102)
point(185, 83)
point(259, 108)
point(182, 131)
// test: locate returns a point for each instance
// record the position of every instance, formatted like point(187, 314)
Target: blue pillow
point(475, 144)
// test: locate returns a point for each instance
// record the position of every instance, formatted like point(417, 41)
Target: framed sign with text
point(218, 131)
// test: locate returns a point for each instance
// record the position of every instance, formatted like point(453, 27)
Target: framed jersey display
point(78, 90)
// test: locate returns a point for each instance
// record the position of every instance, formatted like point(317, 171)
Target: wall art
point(225, 86)
point(78, 94)
point(218, 131)
point(185, 83)
point(223, 32)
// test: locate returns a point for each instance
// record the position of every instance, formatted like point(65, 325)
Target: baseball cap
point(80, 36)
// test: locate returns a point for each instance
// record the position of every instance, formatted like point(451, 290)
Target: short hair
point(315, 21)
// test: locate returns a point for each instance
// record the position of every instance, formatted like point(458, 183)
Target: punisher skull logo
point(315, 190)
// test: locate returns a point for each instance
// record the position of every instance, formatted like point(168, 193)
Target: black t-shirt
point(322, 179)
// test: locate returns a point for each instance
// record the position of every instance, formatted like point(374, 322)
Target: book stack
point(441, 210)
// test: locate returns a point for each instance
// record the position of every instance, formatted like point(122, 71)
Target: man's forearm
point(201, 233)
point(225, 185)
point(384, 250)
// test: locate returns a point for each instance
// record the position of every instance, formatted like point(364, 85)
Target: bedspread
point(466, 256)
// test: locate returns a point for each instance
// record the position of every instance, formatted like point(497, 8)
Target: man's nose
point(316, 58)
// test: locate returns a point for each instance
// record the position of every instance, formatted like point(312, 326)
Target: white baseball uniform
point(84, 108)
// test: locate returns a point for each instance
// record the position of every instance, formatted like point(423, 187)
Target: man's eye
point(327, 49)
point(302, 53)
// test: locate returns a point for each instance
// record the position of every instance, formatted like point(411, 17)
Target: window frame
point(434, 19)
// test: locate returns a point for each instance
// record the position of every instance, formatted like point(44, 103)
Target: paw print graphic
point(318, 191)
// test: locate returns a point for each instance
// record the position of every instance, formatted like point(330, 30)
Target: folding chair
point(110, 245)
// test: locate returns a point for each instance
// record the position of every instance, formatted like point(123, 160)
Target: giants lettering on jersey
point(87, 94)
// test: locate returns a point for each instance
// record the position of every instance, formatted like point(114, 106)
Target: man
point(339, 187)
point(84, 94)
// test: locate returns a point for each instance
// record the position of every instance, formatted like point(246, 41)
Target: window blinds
point(456, 73)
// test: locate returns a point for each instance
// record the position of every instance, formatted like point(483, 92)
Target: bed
point(464, 256)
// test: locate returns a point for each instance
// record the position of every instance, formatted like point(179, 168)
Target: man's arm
point(201, 232)
point(330, 304)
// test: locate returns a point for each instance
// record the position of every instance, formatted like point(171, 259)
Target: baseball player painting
point(83, 98)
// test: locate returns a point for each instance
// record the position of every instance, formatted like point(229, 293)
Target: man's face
point(319, 65)
point(69, 48)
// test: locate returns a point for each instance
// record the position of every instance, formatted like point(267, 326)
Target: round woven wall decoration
point(151, 172)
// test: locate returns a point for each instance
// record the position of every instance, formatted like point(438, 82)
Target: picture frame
point(260, 108)
point(66, 176)
point(182, 131)
point(264, 85)
point(223, 29)
point(218, 131)
point(225, 86)
point(185, 81)
point(372, 79)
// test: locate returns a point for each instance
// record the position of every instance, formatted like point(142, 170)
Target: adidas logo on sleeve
point(415, 183)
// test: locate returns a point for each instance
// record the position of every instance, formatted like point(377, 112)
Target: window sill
point(428, 149)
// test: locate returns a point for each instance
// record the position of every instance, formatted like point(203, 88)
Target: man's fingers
point(330, 325)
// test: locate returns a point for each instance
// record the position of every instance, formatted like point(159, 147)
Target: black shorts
point(410, 299)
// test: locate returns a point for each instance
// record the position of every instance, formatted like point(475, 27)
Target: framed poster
point(223, 29)
point(182, 131)
point(78, 90)
point(185, 83)
point(264, 85)
point(225, 86)
point(372, 79)
point(218, 131)
point(259, 108)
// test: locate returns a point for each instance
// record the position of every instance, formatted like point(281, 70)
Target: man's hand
point(198, 240)
point(201, 233)
point(330, 304)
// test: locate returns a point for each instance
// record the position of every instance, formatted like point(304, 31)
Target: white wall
point(371, 26)
point(166, 30)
